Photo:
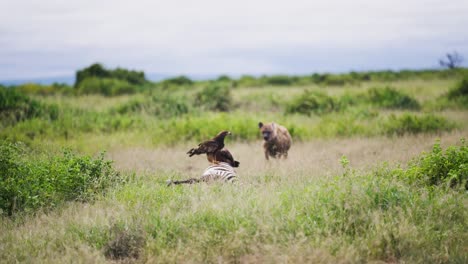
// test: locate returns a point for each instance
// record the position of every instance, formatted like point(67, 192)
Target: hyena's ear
point(260, 124)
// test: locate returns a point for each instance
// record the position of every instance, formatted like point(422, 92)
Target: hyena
point(277, 140)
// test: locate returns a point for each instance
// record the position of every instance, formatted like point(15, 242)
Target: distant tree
point(177, 81)
point(95, 70)
point(452, 61)
point(98, 71)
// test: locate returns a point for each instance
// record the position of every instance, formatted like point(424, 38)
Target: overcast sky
point(48, 38)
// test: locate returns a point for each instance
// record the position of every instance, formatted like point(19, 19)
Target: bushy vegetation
point(311, 102)
point(28, 183)
point(163, 105)
point(458, 95)
point(96, 79)
point(352, 78)
point(105, 86)
point(16, 107)
point(177, 81)
point(460, 90)
point(438, 167)
point(414, 124)
point(391, 98)
point(317, 102)
point(44, 90)
point(214, 98)
point(98, 71)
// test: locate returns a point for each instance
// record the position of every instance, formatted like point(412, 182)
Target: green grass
point(355, 216)
point(73, 207)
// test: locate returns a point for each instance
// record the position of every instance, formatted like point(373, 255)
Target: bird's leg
point(215, 160)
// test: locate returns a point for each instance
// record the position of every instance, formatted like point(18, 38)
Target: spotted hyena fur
point(277, 140)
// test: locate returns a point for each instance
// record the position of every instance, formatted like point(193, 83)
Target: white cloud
point(211, 36)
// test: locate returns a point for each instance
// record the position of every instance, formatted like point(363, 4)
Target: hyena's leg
point(189, 181)
point(267, 155)
point(285, 155)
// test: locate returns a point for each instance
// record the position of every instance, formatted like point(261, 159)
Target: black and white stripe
point(221, 171)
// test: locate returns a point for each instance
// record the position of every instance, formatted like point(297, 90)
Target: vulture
point(210, 147)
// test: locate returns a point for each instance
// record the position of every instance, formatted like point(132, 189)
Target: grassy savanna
point(377, 172)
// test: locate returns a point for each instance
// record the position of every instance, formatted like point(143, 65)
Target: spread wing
point(209, 146)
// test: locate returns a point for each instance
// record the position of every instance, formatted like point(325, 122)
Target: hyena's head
point(267, 130)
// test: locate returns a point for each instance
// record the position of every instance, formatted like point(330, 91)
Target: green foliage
point(27, 184)
point(98, 71)
point(283, 80)
point(16, 107)
point(224, 78)
point(460, 90)
point(413, 124)
point(390, 98)
point(105, 86)
point(438, 167)
point(311, 102)
point(177, 81)
point(458, 96)
point(215, 98)
point(164, 105)
point(248, 81)
point(44, 90)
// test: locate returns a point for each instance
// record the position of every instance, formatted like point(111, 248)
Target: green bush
point(311, 102)
point(27, 184)
point(177, 81)
point(215, 98)
point(98, 71)
point(44, 90)
point(248, 81)
point(460, 90)
point(390, 98)
point(413, 124)
point(105, 86)
point(163, 105)
point(280, 80)
point(438, 167)
point(16, 107)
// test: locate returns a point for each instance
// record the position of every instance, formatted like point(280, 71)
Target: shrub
point(105, 86)
point(224, 78)
point(460, 89)
point(335, 80)
point(16, 107)
point(27, 184)
point(412, 124)
point(163, 105)
point(98, 71)
point(311, 102)
point(279, 80)
point(390, 98)
point(438, 167)
point(248, 81)
point(214, 97)
point(37, 89)
point(177, 81)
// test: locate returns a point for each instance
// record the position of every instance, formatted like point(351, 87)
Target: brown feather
point(210, 146)
point(222, 155)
